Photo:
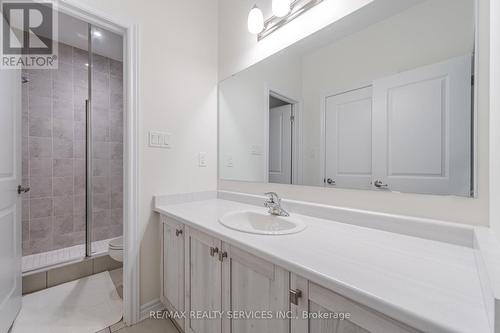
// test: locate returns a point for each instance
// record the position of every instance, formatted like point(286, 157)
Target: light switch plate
point(256, 150)
point(160, 139)
point(202, 159)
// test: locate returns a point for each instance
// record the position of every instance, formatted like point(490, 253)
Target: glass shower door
point(105, 168)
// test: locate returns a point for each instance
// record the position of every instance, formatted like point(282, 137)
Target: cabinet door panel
point(332, 325)
point(204, 283)
point(361, 319)
point(299, 324)
point(173, 267)
point(255, 286)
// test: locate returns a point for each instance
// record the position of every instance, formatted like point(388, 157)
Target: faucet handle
point(273, 197)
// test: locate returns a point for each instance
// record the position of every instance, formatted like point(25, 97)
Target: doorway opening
point(283, 143)
point(72, 156)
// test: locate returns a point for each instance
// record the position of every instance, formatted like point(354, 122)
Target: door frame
point(131, 234)
point(297, 151)
point(322, 144)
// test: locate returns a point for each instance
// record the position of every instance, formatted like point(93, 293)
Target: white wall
point(238, 50)
point(242, 115)
point(178, 94)
point(495, 118)
point(425, 34)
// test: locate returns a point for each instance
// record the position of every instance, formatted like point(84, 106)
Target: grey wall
point(54, 151)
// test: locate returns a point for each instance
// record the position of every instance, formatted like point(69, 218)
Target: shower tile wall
point(54, 152)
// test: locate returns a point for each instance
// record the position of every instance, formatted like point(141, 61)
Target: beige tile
point(105, 263)
point(118, 326)
point(117, 278)
point(69, 273)
point(34, 282)
point(106, 330)
point(151, 326)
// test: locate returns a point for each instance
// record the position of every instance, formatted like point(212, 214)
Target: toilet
point(115, 249)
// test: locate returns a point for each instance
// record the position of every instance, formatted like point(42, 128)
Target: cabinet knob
point(294, 296)
point(178, 232)
point(213, 251)
point(222, 255)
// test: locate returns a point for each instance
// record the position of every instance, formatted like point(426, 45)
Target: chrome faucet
point(274, 205)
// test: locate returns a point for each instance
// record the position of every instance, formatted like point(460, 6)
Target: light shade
point(255, 20)
point(281, 7)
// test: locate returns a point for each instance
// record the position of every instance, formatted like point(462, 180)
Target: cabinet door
point(203, 282)
point(360, 318)
point(173, 267)
point(255, 286)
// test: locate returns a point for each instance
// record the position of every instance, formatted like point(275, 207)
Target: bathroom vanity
point(424, 277)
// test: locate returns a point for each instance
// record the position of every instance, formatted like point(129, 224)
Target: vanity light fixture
point(255, 20)
point(283, 12)
point(97, 33)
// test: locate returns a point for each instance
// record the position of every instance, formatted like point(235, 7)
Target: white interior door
point(348, 139)
point(422, 129)
point(280, 144)
point(10, 201)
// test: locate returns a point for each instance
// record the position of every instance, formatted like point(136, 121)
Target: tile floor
point(81, 306)
point(145, 326)
point(35, 262)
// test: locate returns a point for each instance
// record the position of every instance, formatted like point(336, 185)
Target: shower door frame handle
point(88, 181)
point(89, 218)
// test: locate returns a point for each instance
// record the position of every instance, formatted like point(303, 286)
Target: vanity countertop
point(429, 285)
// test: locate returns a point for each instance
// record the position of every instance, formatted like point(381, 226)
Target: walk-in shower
point(73, 148)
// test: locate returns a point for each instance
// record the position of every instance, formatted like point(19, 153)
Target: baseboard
point(146, 308)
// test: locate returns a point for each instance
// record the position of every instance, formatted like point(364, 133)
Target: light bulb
point(281, 7)
point(255, 20)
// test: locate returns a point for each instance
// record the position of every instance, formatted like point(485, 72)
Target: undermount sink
point(262, 223)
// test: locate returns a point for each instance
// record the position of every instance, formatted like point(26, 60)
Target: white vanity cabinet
point(203, 282)
point(316, 300)
point(255, 286)
point(212, 282)
point(223, 279)
point(172, 270)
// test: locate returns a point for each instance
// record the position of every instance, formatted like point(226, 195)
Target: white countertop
point(429, 285)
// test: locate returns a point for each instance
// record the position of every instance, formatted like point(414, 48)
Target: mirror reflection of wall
point(380, 100)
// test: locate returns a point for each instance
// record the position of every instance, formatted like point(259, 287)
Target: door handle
point(331, 181)
point(294, 296)
point(379, 184)
point(23, 189)
point(222, 255)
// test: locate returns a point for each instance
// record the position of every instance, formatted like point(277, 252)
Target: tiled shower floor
point(41, 261)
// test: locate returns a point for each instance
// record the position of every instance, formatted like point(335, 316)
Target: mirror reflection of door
point(422, 129)
point(348, 139)
point(280, 141)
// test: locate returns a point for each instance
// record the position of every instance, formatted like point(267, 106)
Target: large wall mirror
point(380, 100)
